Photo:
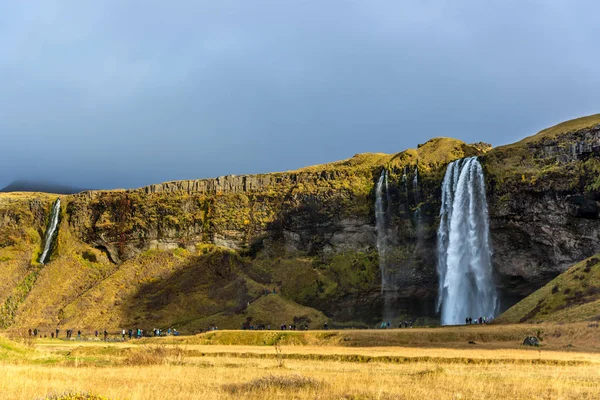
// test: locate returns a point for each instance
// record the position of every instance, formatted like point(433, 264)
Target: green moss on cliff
point(535, 163)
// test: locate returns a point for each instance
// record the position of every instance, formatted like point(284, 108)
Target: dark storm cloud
point(122, 94)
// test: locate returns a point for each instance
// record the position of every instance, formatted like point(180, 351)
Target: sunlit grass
point(176, 368)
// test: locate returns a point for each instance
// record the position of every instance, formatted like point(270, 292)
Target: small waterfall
point(50, 231)
point(381, 226)
point(466, 286)
point(387, 192)
point(405, 202)
point(415, 184)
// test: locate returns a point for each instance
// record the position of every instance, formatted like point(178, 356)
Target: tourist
point(57, 331)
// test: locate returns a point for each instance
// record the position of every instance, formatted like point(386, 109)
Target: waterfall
point(415, 184)
point(50, 231)
point(466, 286)
point(387, 192)
point(381, 226)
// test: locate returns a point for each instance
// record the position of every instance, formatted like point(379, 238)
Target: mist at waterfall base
point(50, 232)
point(466, 284)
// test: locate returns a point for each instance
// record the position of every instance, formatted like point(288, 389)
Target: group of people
point(480, 320)
point(132, 333)
point(139, 333)
point(401, 324)
point(293, 327)
point(160, 332)
point(55, 334)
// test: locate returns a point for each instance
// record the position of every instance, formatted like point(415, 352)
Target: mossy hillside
point(321, 282)
point(270, 310)
point(178, 289)
point(537, 163)
point(81, 287)
point(572, 296)
point(74, 269)
point(553, 132)
point(22, 224)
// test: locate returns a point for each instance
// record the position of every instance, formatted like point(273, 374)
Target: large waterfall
point(381, 226)
point(467, 287)
point(50, 231)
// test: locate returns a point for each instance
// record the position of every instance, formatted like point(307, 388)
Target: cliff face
point(542, 195)
point(193, 253)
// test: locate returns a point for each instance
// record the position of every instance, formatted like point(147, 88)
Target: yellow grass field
point(202, 367)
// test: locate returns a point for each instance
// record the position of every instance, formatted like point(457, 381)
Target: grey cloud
point(122, 94)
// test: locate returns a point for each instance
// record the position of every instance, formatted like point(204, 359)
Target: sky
point(122, 94)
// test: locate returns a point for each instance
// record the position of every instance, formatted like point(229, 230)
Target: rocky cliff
point(302, 244)
point(543, 194)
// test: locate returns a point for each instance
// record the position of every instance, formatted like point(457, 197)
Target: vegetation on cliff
point(571, 297)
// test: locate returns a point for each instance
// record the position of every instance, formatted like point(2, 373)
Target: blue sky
point(111, 94)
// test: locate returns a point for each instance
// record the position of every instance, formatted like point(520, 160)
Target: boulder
point(531, 341)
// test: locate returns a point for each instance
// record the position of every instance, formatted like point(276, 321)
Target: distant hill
point(37, 186)
point(572, 296)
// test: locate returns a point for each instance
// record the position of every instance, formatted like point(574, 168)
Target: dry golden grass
point(170, 369)
point(230, 378)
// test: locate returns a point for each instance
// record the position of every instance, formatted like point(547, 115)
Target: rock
point(581, 207)
point(531, 341)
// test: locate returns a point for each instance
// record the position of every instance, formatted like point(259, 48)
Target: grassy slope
point(562, 128)
point(12, 350)
point(515, 166)
point(434, 152)
point(572, 296)
point(580, 336)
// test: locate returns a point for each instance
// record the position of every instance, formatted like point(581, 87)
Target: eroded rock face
point(543, 209)
point(543, 218)
point(539, 225)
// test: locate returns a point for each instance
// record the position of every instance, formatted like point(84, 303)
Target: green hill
point(572, 296)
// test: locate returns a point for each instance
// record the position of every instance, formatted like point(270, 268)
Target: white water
point(50, 232)
point(467, 287)
point(381, 226)
point(416, 185)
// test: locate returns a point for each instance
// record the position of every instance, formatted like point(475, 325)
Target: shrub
point(89, 256)
point(280, 382)
point(74, 396)
point(154, 355)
